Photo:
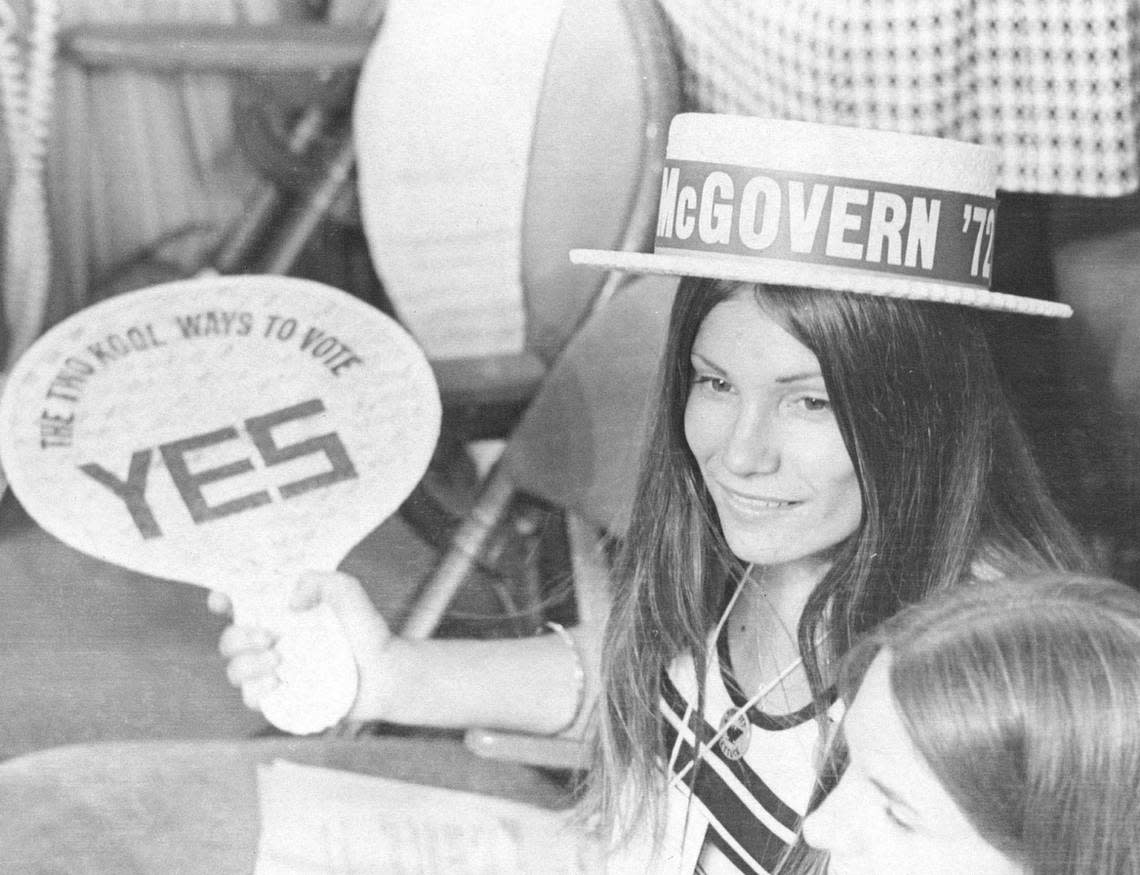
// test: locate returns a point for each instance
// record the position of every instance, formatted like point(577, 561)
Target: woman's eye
point(815, 403)
point(713, 384)
point(898, 821)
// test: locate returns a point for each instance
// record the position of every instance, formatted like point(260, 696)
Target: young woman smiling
point(832, 458)
point(830, 444)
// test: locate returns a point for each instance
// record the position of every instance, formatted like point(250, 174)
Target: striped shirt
point(751, 804)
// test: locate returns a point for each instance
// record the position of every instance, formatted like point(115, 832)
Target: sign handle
point(317, 672)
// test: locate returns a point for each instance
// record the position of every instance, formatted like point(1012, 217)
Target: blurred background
point(437, 160)
point(163, 140)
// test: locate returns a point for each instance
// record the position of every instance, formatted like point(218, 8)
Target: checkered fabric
point(1050, 83)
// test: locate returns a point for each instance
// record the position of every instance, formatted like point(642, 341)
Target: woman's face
point(760, 425)
point(889, 812)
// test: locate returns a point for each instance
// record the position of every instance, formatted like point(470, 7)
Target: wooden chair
point(589, 175)
point(609, 87)
point(579, 447)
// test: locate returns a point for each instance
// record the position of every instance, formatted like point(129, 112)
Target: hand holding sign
point(230, 433)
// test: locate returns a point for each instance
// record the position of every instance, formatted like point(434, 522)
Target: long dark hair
point(949, 491)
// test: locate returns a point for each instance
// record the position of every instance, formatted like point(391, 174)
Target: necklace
point(734, 733)
point(736, 724)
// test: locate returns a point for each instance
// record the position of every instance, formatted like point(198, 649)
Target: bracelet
point(579, 673)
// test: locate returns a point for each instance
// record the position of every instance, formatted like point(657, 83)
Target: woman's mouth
point(753, 504)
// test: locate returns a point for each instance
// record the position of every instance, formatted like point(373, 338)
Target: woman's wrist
point(578, 674)
point(536, 684)
point(382, 684)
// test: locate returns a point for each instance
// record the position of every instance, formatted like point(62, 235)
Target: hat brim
point(817, 276)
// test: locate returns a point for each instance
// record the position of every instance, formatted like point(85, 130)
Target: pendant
point(733, 743)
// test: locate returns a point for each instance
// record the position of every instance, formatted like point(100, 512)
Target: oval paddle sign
point(229, 432)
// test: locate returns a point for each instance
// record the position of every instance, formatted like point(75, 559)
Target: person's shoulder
point(682, 674)
point(983, 570)
point(991, 562)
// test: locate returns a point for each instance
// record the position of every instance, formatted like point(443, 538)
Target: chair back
point(610, 89)
point(492, 137)
point(581, 441)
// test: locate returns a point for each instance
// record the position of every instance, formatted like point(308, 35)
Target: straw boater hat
point(820, 206)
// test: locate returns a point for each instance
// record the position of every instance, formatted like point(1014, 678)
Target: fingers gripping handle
point(317, 674)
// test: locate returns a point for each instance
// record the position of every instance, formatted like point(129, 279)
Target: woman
point(869, 446)
point(1049, 86)
point(829, 447)
point(996, 725)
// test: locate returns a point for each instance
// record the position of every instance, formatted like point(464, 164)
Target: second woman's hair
point(948, 486)
point(1024, 699)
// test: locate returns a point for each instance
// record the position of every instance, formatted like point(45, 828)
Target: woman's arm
point(521, 684)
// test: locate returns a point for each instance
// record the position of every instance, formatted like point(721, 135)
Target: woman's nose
point(750, 446)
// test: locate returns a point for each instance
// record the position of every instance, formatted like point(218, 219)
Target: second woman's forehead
point(739, 336)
